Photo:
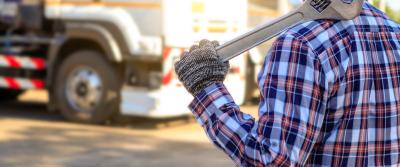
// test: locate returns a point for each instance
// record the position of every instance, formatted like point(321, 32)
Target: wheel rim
point(84, 89)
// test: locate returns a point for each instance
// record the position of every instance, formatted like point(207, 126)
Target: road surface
point(30, 136)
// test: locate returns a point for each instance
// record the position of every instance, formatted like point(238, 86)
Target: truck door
point(193, 20)
point(187, 22)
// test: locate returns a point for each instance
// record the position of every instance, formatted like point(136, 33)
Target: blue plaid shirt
point(330, 96)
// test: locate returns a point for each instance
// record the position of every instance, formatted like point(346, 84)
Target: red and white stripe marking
point(19, 62)
point(169, 56)
point(21, 83)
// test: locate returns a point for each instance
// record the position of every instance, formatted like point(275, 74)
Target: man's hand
point(201, 67)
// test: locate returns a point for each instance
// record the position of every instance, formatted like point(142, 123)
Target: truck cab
point(101, 58)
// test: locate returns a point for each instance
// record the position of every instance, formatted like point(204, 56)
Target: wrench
point(310, 10)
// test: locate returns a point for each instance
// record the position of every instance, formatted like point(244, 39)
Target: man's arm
point(292, 105)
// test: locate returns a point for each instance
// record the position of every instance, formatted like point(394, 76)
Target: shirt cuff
point(209, 101)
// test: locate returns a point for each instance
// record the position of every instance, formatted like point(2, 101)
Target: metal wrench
point(310, 10)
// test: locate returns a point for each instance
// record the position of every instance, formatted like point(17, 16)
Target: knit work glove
point(201, 67)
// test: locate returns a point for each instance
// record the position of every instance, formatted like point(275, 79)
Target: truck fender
point(117, 20)
point(97, 34)
point(92, 32)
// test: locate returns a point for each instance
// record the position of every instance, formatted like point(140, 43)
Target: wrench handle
point(258, 36)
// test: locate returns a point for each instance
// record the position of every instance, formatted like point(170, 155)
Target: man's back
point(330, 96)
point(361, 63)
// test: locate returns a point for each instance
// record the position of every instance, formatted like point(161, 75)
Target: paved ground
point(31, 136)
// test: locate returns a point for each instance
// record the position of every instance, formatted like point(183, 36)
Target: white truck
point(98, 58)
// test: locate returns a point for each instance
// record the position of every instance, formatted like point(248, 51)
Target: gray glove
point(201, 67)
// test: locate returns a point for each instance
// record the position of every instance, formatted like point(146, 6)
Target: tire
point(101, 84)
point(9, 95)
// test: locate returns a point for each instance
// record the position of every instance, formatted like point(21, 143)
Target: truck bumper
point(161, 103)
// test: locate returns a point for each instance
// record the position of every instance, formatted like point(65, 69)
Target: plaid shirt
point(330, 96)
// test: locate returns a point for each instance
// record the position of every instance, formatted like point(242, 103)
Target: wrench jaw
point(311, 10)
point(320, 5)
point(348, 9)
point(336, 9)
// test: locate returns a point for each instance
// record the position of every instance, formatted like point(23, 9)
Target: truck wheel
point(87, 88)
point(9, 95)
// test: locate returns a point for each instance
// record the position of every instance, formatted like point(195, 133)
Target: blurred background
point(91, 82)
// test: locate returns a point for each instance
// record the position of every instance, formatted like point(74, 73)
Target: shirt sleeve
point(292, 109)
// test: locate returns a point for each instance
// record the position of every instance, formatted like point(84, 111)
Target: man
point(330, 96)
